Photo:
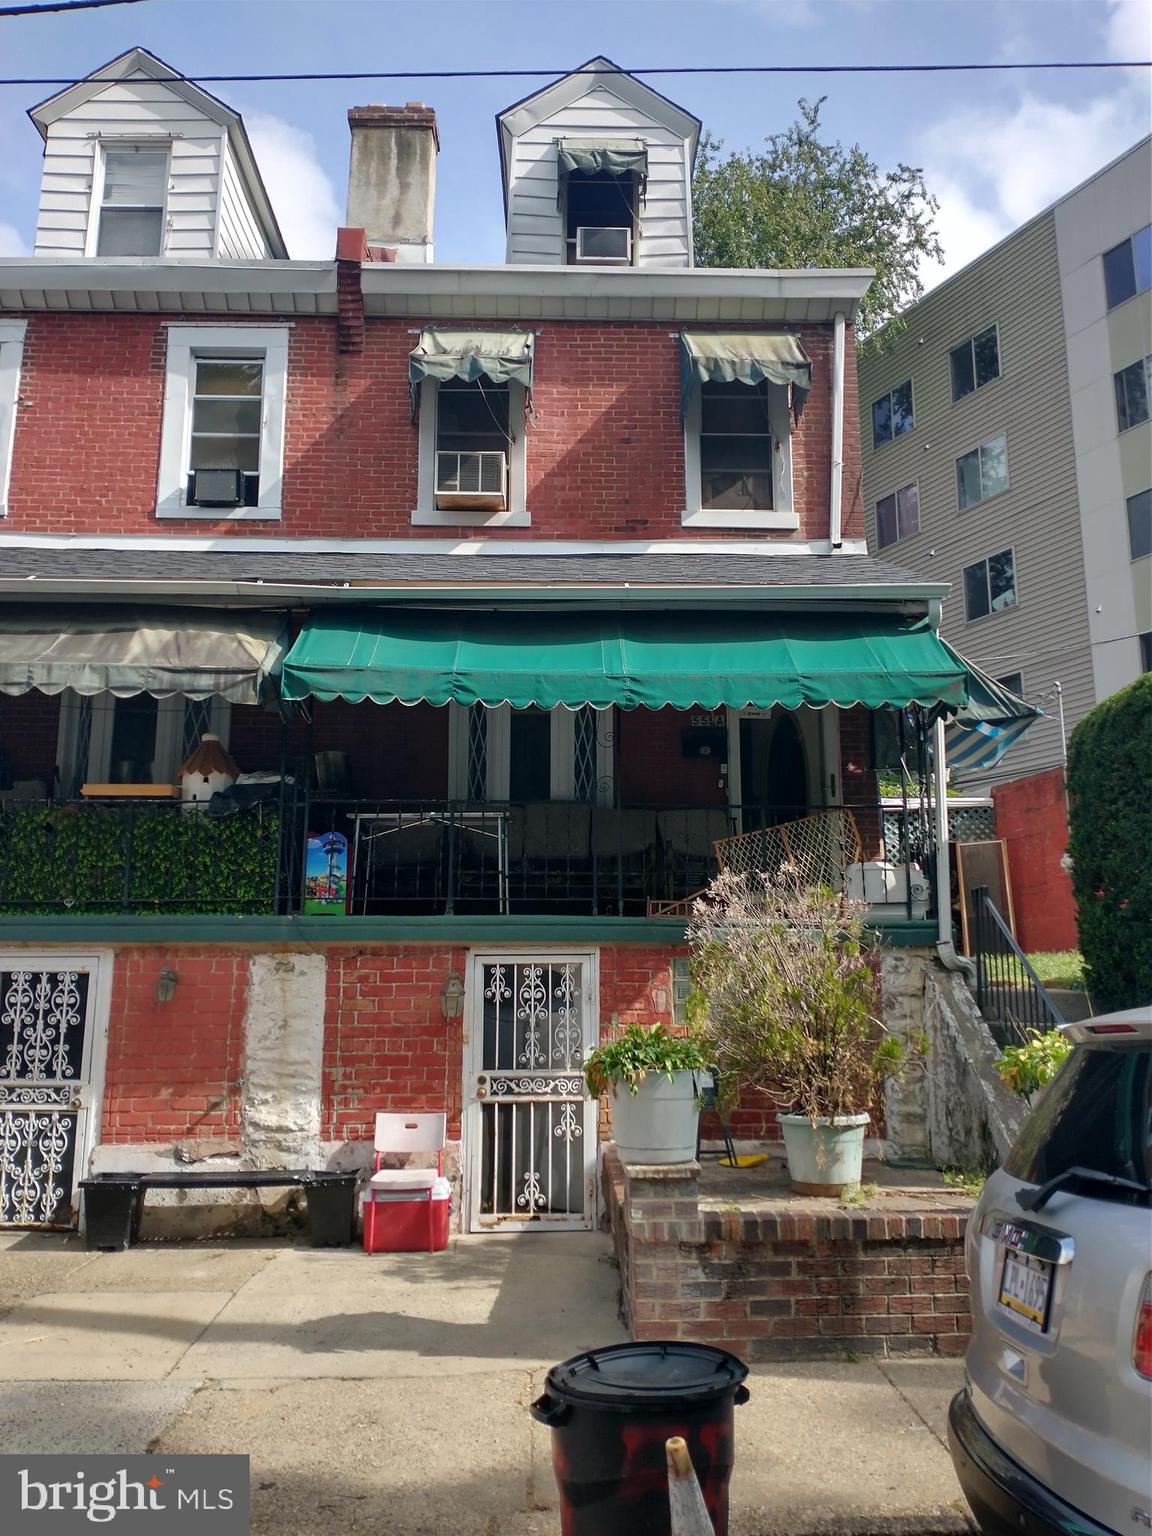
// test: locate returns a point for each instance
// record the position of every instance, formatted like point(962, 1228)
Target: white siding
point(148, 108)
point(535, 232)
point(240, 235)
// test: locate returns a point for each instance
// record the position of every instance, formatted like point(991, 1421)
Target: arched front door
point(773, 771)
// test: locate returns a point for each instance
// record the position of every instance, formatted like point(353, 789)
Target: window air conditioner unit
point(475, 482)
point(217, 487)
point(606, 246)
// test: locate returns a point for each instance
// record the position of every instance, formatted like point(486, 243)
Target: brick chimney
point(392, 177)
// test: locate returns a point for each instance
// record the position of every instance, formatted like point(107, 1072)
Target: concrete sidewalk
point(389, 1394)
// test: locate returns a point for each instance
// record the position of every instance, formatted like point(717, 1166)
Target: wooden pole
point(685, 1501)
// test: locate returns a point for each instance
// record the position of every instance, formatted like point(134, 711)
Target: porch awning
point(125, 651)
point(498, 355)
point(614, 157)
point(991, 720)
point(713, 357)
point(699, 660)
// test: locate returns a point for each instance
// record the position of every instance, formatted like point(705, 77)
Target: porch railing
point(416, 857)
point(1009, 993)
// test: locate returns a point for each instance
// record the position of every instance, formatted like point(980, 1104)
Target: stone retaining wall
point(787, 1279)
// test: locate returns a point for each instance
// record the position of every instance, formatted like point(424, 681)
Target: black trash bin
point(610, 1412)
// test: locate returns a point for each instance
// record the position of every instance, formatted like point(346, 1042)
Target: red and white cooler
point(407, 1217)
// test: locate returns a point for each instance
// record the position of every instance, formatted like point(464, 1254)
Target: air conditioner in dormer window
point(474, 481)
point(604, 246)
point(217, 487)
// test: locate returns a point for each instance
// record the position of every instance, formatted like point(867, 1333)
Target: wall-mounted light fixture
point(165, 989)
point(452, 996)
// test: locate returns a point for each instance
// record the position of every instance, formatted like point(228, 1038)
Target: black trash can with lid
point(610, 1412)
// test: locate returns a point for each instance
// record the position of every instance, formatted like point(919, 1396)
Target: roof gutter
point(835, 507)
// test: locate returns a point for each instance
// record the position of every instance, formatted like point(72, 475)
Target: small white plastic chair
point(410, 1134)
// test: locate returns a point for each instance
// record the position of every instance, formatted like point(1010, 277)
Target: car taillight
point(1142, 1343)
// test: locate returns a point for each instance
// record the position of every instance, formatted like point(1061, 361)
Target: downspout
point(835, 518)
point(944, 945)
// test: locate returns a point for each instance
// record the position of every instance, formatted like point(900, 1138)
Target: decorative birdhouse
point(208, 770)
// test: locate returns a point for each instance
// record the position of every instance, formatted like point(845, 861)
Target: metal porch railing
point(1009, 993)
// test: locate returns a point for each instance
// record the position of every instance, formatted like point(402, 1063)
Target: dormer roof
point(550, 99)
point(139, 63)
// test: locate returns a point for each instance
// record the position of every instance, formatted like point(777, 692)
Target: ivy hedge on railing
point(137, 859)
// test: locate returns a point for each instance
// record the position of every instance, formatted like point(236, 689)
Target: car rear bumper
point(1006, 1500)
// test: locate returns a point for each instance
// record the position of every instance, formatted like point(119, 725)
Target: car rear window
point(1095, 1114)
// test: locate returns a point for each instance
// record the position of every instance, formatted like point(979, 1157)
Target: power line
point(504, 74)
point(62, 5)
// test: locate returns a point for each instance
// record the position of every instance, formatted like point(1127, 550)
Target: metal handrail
point(1006, 983)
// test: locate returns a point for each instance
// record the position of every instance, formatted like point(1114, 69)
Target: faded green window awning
point(712, 357)
point(614, 157)
point(124, 651)
point(652, 659)
point(497, 355)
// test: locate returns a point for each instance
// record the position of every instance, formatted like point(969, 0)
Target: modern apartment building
point(1007, 451)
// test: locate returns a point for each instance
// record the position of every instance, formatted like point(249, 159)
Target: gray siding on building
point(1046, 637)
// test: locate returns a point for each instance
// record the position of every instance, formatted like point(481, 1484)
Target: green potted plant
point(785, 1001)
point(653, 1080)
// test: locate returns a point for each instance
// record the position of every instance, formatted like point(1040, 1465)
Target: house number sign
point(715, 719)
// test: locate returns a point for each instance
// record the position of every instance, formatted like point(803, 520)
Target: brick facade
point(786, 1279)
point(605, 453)
point(1032, 818)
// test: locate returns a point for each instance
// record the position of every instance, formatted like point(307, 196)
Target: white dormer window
point(133, 190)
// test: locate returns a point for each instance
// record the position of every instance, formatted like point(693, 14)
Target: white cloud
point(994, 170)
point(12, 243)
point(301, 193)
point(1128, 31)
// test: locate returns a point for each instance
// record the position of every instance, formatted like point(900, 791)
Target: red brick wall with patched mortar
point(174, 1069)
point(29, 726)
point(1032, 818)
point(859, 788)
point(605, 453)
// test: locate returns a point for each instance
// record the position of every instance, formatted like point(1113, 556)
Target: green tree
point(806, 203)
point(1110, 841)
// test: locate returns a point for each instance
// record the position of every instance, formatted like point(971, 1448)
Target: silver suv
point(1053, 1432)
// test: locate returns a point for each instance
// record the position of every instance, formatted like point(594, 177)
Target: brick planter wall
point(790, 1279)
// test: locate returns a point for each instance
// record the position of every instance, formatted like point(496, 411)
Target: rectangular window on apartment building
point(227, 415)
point(1133, 386)
point(1140, 525)
point(990, 585)
point(983, 472)
point(1128, 267)
point(975, 362)
point(892, 414)
point(1146, 651)
point(736, 446)
point(1014, 682)
point(132, 202)
point(898, 515)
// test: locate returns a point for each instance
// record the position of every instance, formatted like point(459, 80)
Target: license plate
point(1025, 1287)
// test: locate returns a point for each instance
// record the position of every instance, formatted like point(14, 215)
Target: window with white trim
point(990, 585)
point(530, 755)
point(983, 472)
point(898, 515)
point(738, 456)
point(472, 455)
point(138, 740)
point(133, 194)
point(11, 354)
point(975, 362)
point(222, 445)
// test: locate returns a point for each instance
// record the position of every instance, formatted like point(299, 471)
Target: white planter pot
point(827, 1157)
point(657, 1124)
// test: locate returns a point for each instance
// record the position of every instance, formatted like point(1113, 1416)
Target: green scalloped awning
point(616, 157)
point(727, 357)
point(451, 354)
point(701, 660)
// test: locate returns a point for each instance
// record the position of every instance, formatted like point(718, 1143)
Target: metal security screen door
point(49, 1033)
point(530, 1126)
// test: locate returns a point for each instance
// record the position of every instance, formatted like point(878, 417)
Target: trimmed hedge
point(1110, 822)
point(139, 859)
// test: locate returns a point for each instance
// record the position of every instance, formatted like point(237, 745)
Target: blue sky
point(996, 148)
